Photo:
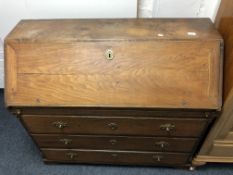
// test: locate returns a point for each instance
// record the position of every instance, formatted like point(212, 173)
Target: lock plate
point(109, 54)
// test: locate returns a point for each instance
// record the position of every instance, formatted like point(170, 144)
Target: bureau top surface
point(72, 30)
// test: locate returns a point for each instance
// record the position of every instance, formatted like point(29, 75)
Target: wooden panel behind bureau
point(115, 125)
point(114, 157)
point(222, 149)
point(218, 146)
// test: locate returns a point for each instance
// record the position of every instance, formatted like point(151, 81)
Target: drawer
point(115, 157)
point(115, 125)
point(115, 142)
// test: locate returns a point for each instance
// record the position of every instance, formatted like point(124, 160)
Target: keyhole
point(109, 54)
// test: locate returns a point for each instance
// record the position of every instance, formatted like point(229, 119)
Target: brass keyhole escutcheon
point(113, 141)
point(113, 126)
point(66, 141)
point(157, 158)
point(60, 124)
point(71, 155)
point(168, 127)
point(109, 54)
point(162, 144)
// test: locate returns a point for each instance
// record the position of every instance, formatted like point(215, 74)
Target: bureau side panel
point(10, 74)
point(160, 74)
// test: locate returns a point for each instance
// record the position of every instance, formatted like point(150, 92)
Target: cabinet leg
point(196, 163)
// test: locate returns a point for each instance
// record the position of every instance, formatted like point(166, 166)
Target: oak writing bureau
point(115, 91)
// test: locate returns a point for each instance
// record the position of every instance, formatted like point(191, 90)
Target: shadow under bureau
point(115, 91)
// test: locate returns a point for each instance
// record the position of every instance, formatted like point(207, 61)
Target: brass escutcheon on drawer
point(60, 124)
point(113, 141)
point(167, 127)
point(66, 141)
point(162, 144)
point(71, 155)
point(113, 126)
point(157, 158)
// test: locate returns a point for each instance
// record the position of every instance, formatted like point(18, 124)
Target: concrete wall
point(178, 8)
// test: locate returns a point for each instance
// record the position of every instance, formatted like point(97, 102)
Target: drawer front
point(115, 157)
point(115, 142)
point(115, 125)
point(161, 74)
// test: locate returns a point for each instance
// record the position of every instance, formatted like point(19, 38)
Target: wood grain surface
point(115, 157)
point(73, 30)
point(117, 112)
point(161, 74)
point(100, 142)
point(103, 125)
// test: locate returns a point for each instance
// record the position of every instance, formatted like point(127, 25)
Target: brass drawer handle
point(66, 141)
point(109, 54)
point(158, 158)
point(113, 126)
point(60, 124)
point(167, 127)
point(162, 144)
point(71, 155)
point(113, 141)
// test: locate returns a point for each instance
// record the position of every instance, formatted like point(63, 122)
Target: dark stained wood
point(115, 157)
point(114, 125)
point(115, 142)
point(135, 112)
